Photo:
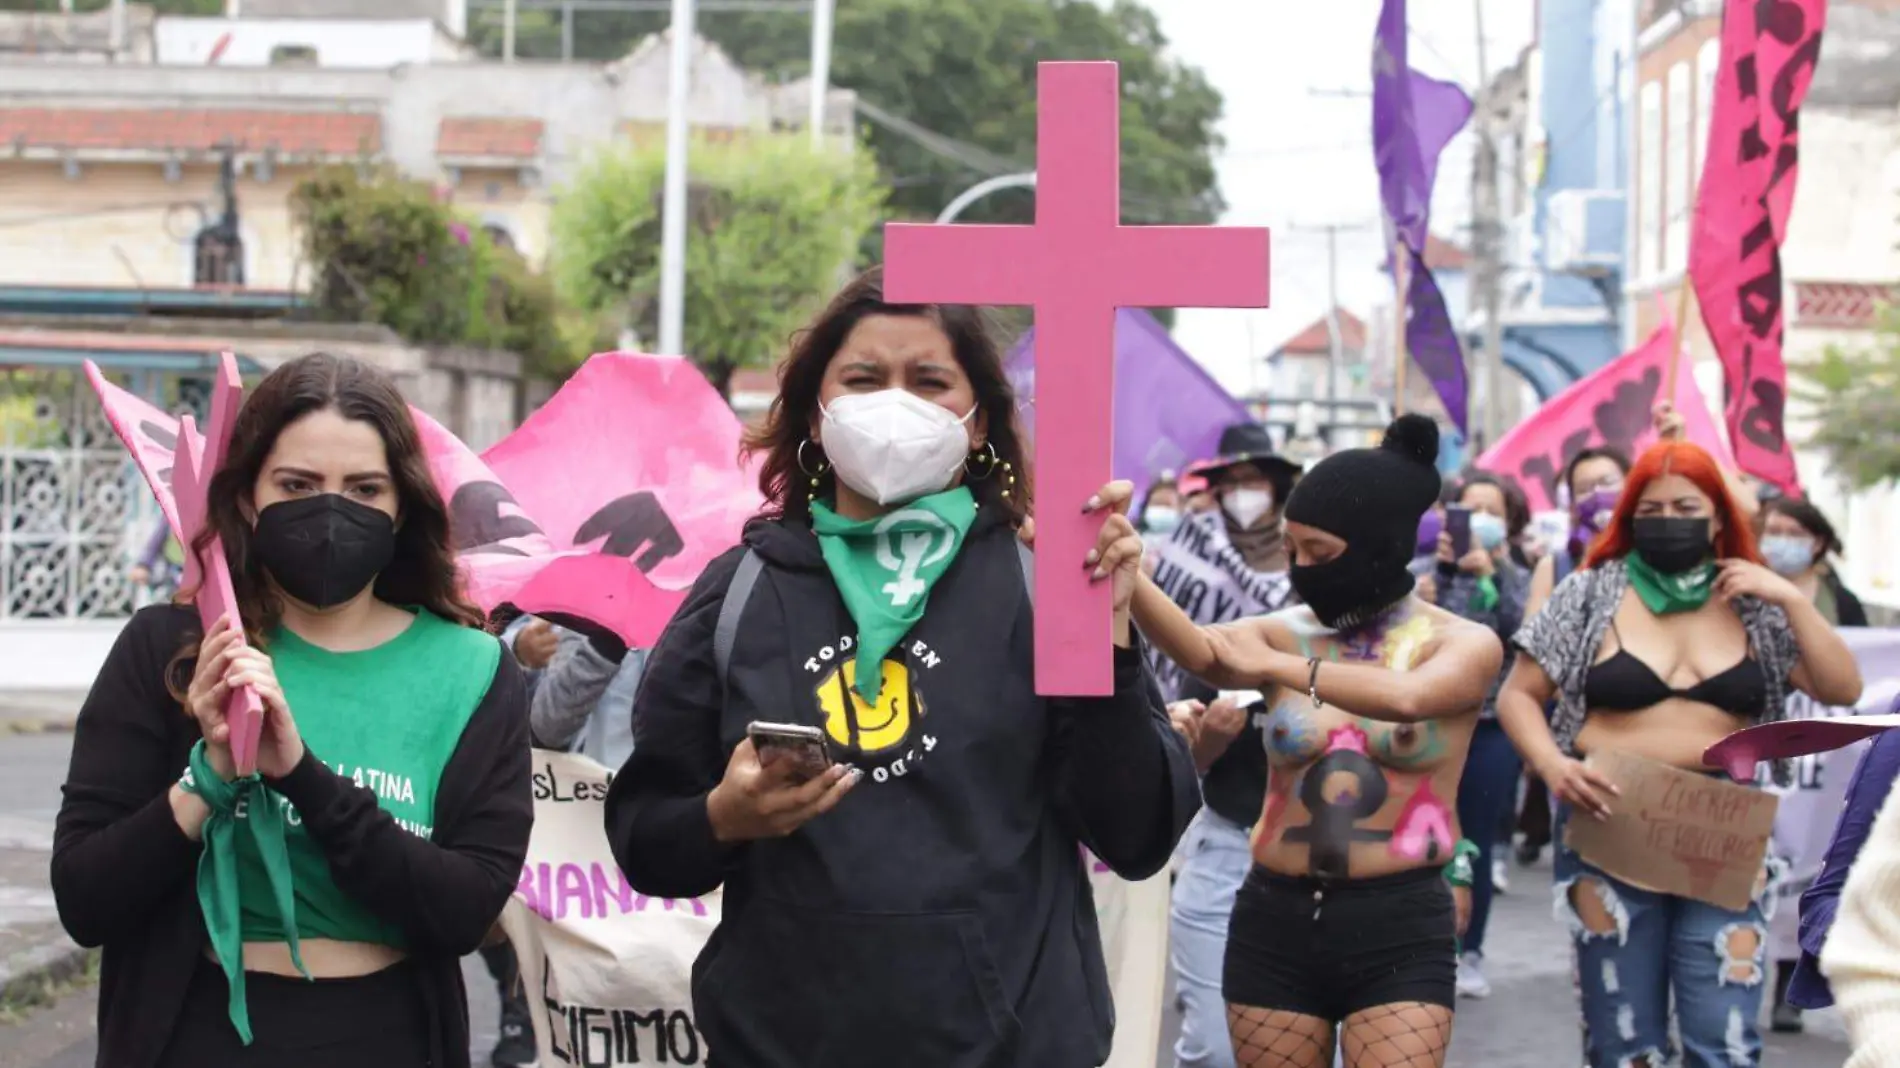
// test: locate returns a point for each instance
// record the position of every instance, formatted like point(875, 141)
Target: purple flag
point(1432, 342)
point(1413, 118)
point(1168, 411)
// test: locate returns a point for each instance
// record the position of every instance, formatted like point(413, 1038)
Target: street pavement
point(1529, 1022)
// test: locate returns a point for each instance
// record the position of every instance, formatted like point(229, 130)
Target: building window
point(217, 257)
point(1678, 158)
point(1649, 189)
point(498, 235)
point(293, 55)
point(1708, 59)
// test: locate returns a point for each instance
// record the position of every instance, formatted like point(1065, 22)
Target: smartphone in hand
point(802, 745)
point(1458, 526)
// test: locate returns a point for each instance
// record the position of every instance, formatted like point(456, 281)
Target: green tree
point(967, 73)
point(1857, 396)
point(386, 249)
point(772, 229)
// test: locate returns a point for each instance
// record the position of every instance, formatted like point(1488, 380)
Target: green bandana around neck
point(242, 806)
point(885, 568)
point(1668, 594)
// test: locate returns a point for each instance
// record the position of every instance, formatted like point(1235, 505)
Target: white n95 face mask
point(893, 446)
point(1246, 506)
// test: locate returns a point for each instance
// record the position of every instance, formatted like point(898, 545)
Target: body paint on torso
point(1349, 779)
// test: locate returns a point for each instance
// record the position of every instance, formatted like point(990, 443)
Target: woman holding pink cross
point(312, 914)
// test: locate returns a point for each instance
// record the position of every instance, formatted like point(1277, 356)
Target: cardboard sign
point(1075, 266)
point(1678, 832)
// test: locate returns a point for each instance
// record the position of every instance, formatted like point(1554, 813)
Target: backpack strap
point(1026, 557)
point(726, 631)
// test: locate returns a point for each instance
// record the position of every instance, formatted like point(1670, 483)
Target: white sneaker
point(1471, 980)
point(1500, 880)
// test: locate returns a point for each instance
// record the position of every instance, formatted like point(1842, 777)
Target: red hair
point(1735, 542)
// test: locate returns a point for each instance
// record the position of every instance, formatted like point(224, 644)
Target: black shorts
point(1329, 949)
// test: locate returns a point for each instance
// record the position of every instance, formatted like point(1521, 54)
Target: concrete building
point(1562, 173)
point(1841, 260)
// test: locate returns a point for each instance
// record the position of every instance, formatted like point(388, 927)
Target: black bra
point(1625, 684)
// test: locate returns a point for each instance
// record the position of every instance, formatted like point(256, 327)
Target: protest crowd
point(859, 737)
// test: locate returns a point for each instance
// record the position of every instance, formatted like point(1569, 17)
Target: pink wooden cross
point(1075, 266)
point(196, 459)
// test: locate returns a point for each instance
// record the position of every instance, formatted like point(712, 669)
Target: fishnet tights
point(1404, 1035)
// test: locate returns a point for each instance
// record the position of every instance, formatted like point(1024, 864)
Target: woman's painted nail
point(1094, 503)
point(854, 775)
point(1093, 556)
point(1100, 574)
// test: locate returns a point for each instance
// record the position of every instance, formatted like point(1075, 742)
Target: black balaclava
point(1372, 500)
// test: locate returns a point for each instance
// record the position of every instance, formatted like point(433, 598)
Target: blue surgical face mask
point(1489, 530)
point(1788, 555)
point(1160, 519)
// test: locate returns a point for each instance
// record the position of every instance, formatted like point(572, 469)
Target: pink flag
point(606, 504)
point(1769, 52)
point(149, 434)
point(1611, 407)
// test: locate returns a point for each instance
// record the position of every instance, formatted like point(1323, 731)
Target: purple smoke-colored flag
point(1168, 411)
point(1413, 118)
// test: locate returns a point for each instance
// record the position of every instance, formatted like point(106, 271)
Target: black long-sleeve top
point(123, 870)
point(940, 914)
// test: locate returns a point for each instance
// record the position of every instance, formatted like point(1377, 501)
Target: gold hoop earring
point(987, 457)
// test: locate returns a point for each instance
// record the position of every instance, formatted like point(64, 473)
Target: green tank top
point(386, 718)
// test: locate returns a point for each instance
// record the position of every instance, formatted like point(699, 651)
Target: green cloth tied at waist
point(240, 807)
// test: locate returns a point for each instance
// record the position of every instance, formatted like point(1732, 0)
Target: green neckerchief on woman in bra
point(885, 569)
point(1666, 594)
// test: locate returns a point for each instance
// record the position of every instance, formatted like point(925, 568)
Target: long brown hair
point(786, 481)
point(423, 572)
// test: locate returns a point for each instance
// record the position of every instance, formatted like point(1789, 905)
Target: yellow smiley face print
point(856, 724)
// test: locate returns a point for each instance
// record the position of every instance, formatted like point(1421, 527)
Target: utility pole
point(673, 204)
point(820, 68)
point(508, 31)
point(1335, 334)
point(1487, 239)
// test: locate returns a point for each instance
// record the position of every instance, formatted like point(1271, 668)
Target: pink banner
point(1612, 407)
point(606, 504)
point(1769, 52)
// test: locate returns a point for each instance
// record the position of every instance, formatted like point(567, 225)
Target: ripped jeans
point(1634, 947)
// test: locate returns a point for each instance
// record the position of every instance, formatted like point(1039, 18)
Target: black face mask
point(324, 550)
point(1671, 544)
point(1354, 587)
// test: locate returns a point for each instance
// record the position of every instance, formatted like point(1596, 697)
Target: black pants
point(375, 1021)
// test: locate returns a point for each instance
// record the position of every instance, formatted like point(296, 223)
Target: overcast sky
point(1296, 160)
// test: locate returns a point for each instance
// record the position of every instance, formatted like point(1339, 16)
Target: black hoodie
point(940, 916)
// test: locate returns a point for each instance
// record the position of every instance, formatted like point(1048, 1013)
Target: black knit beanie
point(1372, 500)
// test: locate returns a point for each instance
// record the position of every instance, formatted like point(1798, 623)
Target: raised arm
point(120, 847)
point(1825, 668)
point(1229, 656)
point(1453, 680)
point(570, 689)
point(446, 890)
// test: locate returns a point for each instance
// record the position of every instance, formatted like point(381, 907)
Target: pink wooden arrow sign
point(197, 458)
point(1740, 752)
point(1075, 266)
